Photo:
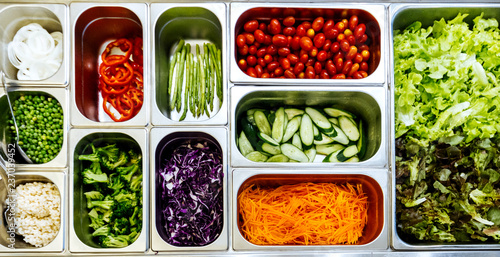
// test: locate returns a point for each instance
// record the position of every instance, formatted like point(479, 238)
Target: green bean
point(183, 63)
point(172, 64)
point(173, 96)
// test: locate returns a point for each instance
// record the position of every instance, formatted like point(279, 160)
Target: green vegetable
point(446, 121)
point(114, 200)
point(41, 126)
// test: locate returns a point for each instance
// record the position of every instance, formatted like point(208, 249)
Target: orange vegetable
point(303, 214)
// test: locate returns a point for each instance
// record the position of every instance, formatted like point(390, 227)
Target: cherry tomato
point(251, 60)
point(251, 26)
point(258, 70)
point(252, 50)
point(354, 68)
point(251, 72)
point(364, 66)
point(310, 72)
point(278, 71)
point(272, 50)
point(358, 58)
point(340, 26)
point(289, 21)
point(295, 43)
point(335, 47)
point(330, 68)
point(351, 39)
point(322, 55)
point(327, 45)
point(261, 52)
point(274, 27)
point(306, 43)
point(310, 33)
point(241, 40)
point(298, 68)
point(280, 40)
point(359, 31)
point(293, 58)
point(324, 75)
point(265, 75)
point(339, 76)
point(243, 50)
point(363, 73)
point(353, 50)
point(319, 40)
point(263, 27)
point(301, 75)
point(357, 75)
point(347, 32)
point(332, 33)
point(259, 35)
point(318, 23)
point(340, 37)
point(329, 24)
point(249, 38)
point(339, 63)
point(313, 52)
point(307, 25)
point(272, 66)
point(289, 74)
point(303, 58)
point(362, 39)
point(353, 22)
point(310, 62)
point(285, 63)
point(344, 45)
point(365, 54)
point(261, 62)
point(268, 58)
point(289, 31)
point(268, 39)
point(242, 63)
point(283, 51)
point(347, 67)
point(318, 67)
point(300, 31)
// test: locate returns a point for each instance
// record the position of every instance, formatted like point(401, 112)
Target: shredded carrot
point(303, 214)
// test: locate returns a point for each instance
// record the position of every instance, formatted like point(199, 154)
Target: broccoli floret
point(101, 231)
point(122, 209)
point(136, 183)
point(107, 216)
point(124, 196)
point(134, 156)
point(121, 226)
point(111, 164)
point(93, 195)
point(115, 241)
point(128, 171)
point(101, 204)
point(96, 220)
point(116, 183)
point(93, 157)
point(89, 177)
point(134, 218)
point(110, 152)
point(96, 167)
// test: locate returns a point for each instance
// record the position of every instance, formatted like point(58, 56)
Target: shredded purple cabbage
point(192, 195)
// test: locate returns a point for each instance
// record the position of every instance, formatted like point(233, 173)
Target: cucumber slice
point(347, 153)
point(324, 140)
point(362, 139)
point(293, 152)
point(332, 157)
point(257, 156)
point(341, 136)
point(270, 149)
point(278, 129)
point(244, 145)
point(311, 153)
point(353, 159)
point(292, 127)
point(323, 124)
point(251, 132)
point(329, 148)
point(278, 158)
point(250, 112)
point(334, 121)
point(296, 141)
point(306, 130)
point(262, 122)
point(334, 112)
point(266, 138)
point(349, 127)
point(317, 134)
point(292, 112)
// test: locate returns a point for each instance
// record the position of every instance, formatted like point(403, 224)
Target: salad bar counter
point(218, 128)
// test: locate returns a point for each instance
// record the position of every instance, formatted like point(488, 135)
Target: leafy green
point(447, 124)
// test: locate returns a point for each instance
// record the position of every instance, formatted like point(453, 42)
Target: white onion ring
point(36, 53)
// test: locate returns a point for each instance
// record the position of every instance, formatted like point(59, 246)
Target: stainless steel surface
point(58, 178)
point(375, 15)
point(367, 102)
point(79, 234)
point(60, 94)
point(375, 185)
point(53, 17)
point(195, 23)
point(401, 16)
point(161, 138)
point(19, 149)
point(93, 25)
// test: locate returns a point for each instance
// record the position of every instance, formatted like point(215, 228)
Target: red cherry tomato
point(322, 56)
point(318, 23)
point(241, 40)
point(319, 40)
point(259, 35)
point(251, 72)
point(242, 63)
point(280, 40)
point(274, 27)
point(310, 72)
point(359, 31)
point(251, 26)
point(306, 43)
point(353, 22)
point(243, 50)
point(351, 54)
point(293, 58)
point(283, 51)
point(298, 68)
point(251, 60)
point(289, 74)
point(301, 31)
point(289, 31)
point(289, 21)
